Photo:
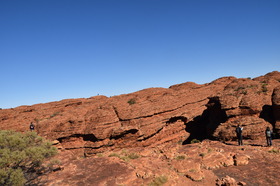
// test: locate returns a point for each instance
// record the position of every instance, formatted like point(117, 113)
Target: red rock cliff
point(156, 115)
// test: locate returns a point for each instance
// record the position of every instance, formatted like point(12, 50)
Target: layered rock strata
point(155, 116)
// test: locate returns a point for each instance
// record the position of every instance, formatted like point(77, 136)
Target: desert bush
point(275, 151)
point(239, 88)
point(158, 181)
point(195, 141)
point(244, 92)
point(131, 101)
point(133, 156)
point(125, 156)
point(21, 157)
point(54, 114)
point(180, 157)
point(192, 170)
point(114, 155)
point(209, 150)
point(264, 88)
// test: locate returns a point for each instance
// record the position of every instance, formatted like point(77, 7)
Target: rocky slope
point(153, 118)
point(208, 163)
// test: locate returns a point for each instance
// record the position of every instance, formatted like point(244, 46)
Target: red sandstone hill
point(143, 137)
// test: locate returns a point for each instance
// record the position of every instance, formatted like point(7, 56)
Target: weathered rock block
point(276, 108)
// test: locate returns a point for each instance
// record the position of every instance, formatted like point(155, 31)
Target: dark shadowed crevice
point(276, 111)
point(170, 121)
point(116, 112)
point(74, 104)
point(86, 137)
point(131, 131)
point(203, 126)
point(176, 118)
point(197, 128)
point(150, 136)
point(89, 137)
point(267, 114)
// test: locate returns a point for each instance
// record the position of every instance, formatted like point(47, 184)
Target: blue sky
point(59, 49)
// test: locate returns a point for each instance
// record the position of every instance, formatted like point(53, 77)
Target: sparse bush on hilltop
point(131, 101)
point(21, 157)
point(264, 88)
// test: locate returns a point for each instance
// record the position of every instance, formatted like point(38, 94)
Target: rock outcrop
point(155, 116)
point(203, 164)
point(140, 137)
point(228, 181)
point(276, 108)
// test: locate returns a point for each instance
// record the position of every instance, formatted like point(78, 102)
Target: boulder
point(215, 160)
point(241, 159)
point(229, 181)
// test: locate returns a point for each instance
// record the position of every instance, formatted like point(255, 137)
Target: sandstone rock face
point(140, 138)
point(247, 102)
point(276, 108)
point(154, 116)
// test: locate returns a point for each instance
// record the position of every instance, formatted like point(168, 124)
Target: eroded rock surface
point(153, 120)
point(276, 108)
point(155, 116)
point(203, 164)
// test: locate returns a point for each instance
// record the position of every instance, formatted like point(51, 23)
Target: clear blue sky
point(58, 49)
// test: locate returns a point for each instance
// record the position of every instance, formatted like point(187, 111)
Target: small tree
point(21, 157)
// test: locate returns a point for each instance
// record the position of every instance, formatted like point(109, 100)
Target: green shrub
point(114, 155)
point(125, 156)
point(239, 88)
point(54, 114)
point(244, 92)
point(195, 141)
point(192, 170)
point(21, 157)
point(133, 156)
point(275, 151)
point(158, 181)
point(99, 155)
point(180, 157)
point(131, 101)
point(264, 87)
point(210, 150)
